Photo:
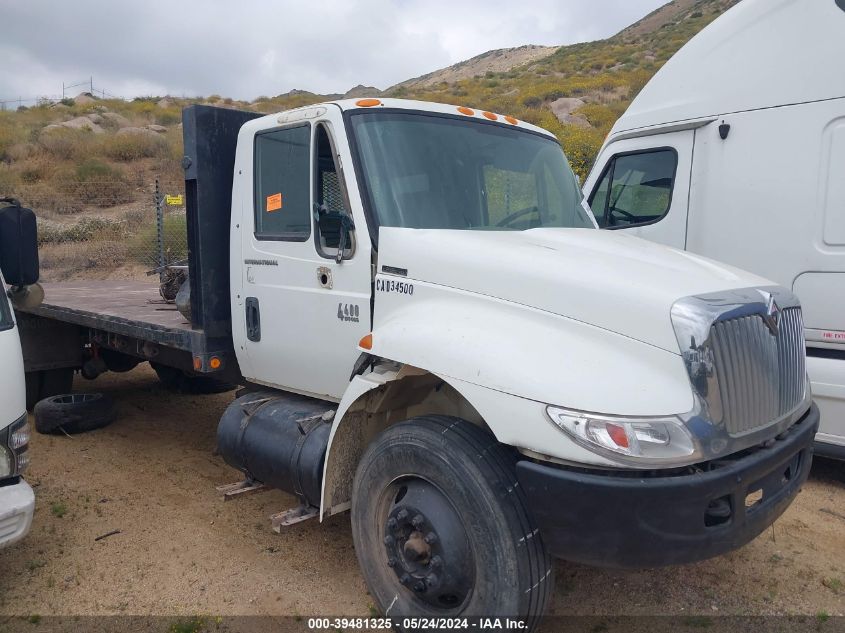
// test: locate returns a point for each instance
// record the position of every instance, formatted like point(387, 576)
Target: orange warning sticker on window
point(274, 202)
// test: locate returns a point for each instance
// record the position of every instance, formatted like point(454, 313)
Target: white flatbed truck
point(436, 336)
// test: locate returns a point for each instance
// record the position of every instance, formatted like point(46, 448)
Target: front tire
point(441, 526)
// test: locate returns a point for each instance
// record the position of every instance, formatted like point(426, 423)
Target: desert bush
point(142, 246)
point(66, 143)
point(93, 183)
point(86, 230)
point(168, 116)
point(129, 147)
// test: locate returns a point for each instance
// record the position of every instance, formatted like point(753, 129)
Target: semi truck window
point(282, 183)
point(328, 194)
point(635, 188)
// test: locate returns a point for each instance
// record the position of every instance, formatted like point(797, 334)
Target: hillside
point(88, 166)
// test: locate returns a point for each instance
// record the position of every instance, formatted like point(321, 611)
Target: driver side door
point(642, 185)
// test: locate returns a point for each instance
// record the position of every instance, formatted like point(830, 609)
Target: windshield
point(437, 172)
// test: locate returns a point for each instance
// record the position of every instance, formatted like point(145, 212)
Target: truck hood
point(607, 279)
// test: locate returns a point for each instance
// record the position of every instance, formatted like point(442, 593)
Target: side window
point(511, 197)
point(635, 189)
point(282, 199)
point(329, 195)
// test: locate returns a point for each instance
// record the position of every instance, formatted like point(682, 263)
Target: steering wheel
point(625, 214)
point(516, 215)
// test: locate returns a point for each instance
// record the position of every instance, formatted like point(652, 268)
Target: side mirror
point(19, 251)
point(335, 229)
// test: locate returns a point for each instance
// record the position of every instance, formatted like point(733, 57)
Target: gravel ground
point(181, 550)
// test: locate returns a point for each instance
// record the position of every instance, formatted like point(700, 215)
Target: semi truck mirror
point(18, 244)
point(335, 228)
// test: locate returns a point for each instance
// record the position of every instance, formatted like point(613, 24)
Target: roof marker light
point(490, 115)
point(467, 111)
point(367, 103)
point(511, 120)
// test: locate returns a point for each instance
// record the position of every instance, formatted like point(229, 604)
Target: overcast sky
point(247, 48)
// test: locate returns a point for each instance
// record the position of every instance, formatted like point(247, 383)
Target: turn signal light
point(197, 363)
point(617, 434)
point(367, 103)
point(366, 342)
point(214, 363)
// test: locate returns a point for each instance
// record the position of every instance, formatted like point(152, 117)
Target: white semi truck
point(736, 150)
point(434, 335)
point(18, 265)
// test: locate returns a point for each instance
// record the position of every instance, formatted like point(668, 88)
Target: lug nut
point(402, 515)
point(388, 540)
point(417, 521)
point(405, 579)
point(431, 580)
point(436, 562)
point(391, 562)
point(391, 524)
point(420, 586)
point(430, 538)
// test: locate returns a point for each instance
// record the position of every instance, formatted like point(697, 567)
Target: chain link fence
point(93, 229)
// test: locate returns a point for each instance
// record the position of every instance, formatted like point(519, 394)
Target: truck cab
point(735, 150)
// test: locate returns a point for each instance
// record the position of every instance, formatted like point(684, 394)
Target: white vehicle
point(17, 501)
point(736, 150)
point(436, 336)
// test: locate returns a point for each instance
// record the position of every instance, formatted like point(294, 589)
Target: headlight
point(662, 441)
point(14, 456)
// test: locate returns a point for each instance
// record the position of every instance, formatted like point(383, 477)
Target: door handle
point(253, 319)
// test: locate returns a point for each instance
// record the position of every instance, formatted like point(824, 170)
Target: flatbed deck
point(129, 308)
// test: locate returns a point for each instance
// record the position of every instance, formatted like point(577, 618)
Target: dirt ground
point(181, 550)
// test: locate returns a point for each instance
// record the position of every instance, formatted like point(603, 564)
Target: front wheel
point(441, 526)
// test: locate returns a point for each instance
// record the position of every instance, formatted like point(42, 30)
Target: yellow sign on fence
point(174, 201)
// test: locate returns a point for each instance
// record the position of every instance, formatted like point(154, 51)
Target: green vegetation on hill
point(89, 156)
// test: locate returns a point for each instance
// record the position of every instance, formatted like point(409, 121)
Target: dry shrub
point(66, 143)
point(129, 147)
point(86, 230)
point(85, 259)
point(94, 183)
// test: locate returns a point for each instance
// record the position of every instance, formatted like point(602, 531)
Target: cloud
point(266, 47)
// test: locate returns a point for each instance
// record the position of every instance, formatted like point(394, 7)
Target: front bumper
point(17, 504)
point(609, 520)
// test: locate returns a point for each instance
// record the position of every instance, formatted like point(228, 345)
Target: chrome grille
point(760, 375)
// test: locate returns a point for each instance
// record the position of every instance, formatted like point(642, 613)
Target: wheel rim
point(427, 545)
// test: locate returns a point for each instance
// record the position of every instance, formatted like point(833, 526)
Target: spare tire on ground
point(74, 413)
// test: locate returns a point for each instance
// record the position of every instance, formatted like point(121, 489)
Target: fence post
point(159, 225)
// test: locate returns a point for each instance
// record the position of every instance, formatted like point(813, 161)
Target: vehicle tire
point(47, 382)
point(178, 380)
point(441, 528)
point(74, 413)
